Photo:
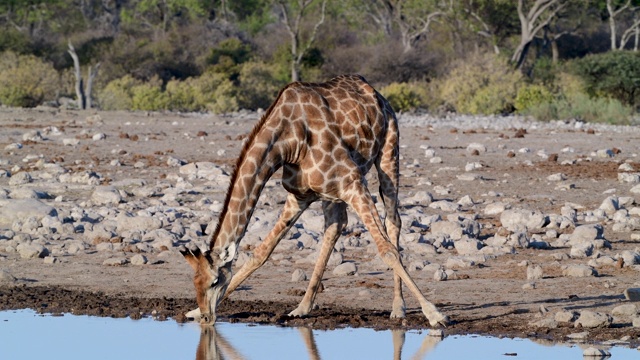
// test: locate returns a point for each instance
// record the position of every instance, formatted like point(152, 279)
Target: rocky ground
point(511, 227)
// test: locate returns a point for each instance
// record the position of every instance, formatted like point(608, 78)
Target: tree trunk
point(92, 73)
point(78, 74)
point(555, 53)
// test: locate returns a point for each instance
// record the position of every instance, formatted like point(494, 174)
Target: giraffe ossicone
point(326, 137)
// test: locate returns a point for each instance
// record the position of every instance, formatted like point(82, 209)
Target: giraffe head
point(212, 270)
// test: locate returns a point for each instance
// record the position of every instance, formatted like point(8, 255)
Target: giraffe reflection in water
point(214, 346)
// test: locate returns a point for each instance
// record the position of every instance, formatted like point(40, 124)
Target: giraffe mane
point(243, 155)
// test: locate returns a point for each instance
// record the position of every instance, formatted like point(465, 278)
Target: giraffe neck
point(259, 159)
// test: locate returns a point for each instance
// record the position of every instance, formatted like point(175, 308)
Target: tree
point(158, 15)
point(539, 15)
point(292, 14)
point(83, 95)
point(617, 8)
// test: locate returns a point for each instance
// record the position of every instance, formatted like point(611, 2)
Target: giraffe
point(326, 137)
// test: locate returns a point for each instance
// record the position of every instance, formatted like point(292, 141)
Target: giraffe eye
point(213, 282)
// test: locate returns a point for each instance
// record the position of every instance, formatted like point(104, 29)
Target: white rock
point(534, 272)
point(557, 177)
point(586, 233)
point(105, 195)
point(345, 269)
point(444, 205)
point(626, 310)
point(126, 222)
point(298, 275)
point(70, 142)
point(579, 271)
point(596, 353)
point(521, 219)
point(468, 246)
point(32, 251)
point(591, 319)
point(99, 136)
point(476, 146)
point(420, 198)
point(6, 277)
point(449, 228)
point(12, 210)
point(496, 208)
point(20, 178)
point(115, 262)
point(138, 259)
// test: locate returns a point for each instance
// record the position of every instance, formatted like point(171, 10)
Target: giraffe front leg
point(335, 220)
point(291, 212)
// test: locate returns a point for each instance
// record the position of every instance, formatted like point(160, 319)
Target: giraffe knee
point(391, 257)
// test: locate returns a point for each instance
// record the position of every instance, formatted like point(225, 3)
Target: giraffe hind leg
point(359, 198)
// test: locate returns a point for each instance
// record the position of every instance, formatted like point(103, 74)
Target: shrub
point(259, 85)
point(582, 107)
point(614, 73)
point(26, 81)
point(149, 96)
point(485, 84)
point(404, 96)
point(531, 95)
point(118, 94)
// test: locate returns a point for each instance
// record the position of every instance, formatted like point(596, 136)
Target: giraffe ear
point(191, 255)
point(227, 254)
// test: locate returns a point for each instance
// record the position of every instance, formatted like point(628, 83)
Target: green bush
point(531, 95)
point(485, 84)
point(612, 74)
point(405, 96)
point(149, 96)
point(582, 107)
point(118, 94)
point(26, 81)
point(259, 85)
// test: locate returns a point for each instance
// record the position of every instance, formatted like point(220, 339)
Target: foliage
point(259, 85)
point(485, 84)
point(26, 80)
point(582, 107)
point(405, 96)
point(118, 94)
point(615, 73)
point(532, 95)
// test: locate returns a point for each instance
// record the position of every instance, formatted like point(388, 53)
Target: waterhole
point(24, 334)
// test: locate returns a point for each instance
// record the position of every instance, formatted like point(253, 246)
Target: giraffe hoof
point(397, 314)
point(441, 321)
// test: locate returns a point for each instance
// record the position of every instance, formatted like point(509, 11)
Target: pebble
point(592, 319)
point(534, 272)
point(115, 262)
point(594, 352)
point(138, 259)
point(626, 310)
point(298, 275)
point(579, 271)
point(345, 269)
point(6, 277)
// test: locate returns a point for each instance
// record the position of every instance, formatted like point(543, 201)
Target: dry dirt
point(489, 299)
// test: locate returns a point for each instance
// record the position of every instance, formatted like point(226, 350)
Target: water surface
point(27, 335)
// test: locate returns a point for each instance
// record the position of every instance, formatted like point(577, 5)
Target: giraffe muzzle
point(207, 319)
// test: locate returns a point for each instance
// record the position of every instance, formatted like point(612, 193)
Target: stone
point(626, 310)
point(50, 260)
point(579, 271)
point(449, 228)
point(420, 198)
point(115, 262)
point(468, 246)
point(32, 251)
point(587, 232)
point(138, 259)
point(557, 177)
point(521, 219)
point(440, 275)
point(13, 210)
point(98, 137)
point(477, 147)
point(105, 195)
point(592, 319)
point(298, 275)
point(596, 353)
point(566, 316)
point(534, 272)
point(548, 323)
point(632, 294)
point(20, 178)
point(126, 222)
point(70, 142)
point(495, 208)
point(345, 269)
point(635, 321)
point(6, 277)
point(444, 205)
point(581, 250)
